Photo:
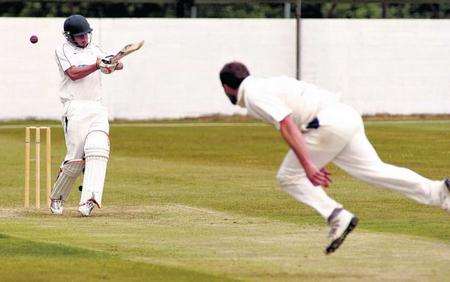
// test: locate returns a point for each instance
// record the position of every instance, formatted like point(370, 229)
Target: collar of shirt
point(77, 49)
point(241, 91)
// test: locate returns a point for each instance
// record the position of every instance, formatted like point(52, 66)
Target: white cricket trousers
point(341, 139)
point(86, 130)
point(80, 118)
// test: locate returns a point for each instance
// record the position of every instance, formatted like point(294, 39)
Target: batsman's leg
point(360, 160)
point(72, 166)
point(96, 151)
point(67, 176)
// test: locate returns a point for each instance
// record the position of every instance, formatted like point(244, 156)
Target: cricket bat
point(128, 49)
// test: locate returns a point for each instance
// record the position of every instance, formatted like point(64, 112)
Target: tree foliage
point(246, 10)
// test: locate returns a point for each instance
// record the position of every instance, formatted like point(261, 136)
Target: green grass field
point(199, 202)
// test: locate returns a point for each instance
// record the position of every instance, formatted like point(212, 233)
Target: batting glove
point(105, 66)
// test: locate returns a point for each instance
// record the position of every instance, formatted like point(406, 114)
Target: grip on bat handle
point(107, 60)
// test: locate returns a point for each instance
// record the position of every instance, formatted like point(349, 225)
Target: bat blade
point(128, 49)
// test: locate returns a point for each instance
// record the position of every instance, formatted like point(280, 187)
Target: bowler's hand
point(318, 177)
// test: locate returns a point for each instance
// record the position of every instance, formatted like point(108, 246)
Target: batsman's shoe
point(86, 208)
point(341, 224)
point(446, 191)
point(57, 206)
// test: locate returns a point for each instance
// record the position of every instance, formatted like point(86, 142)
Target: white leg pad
point(96, 151)
point(66, 178)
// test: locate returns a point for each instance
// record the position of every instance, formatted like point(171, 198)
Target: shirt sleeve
point(62, 60)
point(268, 107)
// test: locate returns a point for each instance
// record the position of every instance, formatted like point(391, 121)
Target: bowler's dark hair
point(232, 74)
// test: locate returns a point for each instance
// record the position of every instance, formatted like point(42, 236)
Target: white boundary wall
point(379, 66)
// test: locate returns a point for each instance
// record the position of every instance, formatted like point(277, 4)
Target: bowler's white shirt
point(272, 99)
point(87, 88)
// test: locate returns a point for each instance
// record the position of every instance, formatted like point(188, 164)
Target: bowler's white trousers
point(341, 139)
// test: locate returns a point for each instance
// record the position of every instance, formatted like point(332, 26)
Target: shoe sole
point(338, 242)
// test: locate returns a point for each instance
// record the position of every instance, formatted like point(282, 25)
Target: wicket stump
point(48, 162)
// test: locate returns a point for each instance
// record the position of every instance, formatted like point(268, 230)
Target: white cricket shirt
point(272, 99)
point(87, 88)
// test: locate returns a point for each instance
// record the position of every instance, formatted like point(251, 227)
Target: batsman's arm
point(75, 73)
point(292, 135)
point(119, 66)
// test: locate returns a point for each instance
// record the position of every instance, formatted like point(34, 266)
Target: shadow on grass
point(29, 260)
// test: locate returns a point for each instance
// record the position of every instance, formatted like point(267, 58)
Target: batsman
point(85, 118)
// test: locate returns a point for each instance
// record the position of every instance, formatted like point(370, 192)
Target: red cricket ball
point(33, 39)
